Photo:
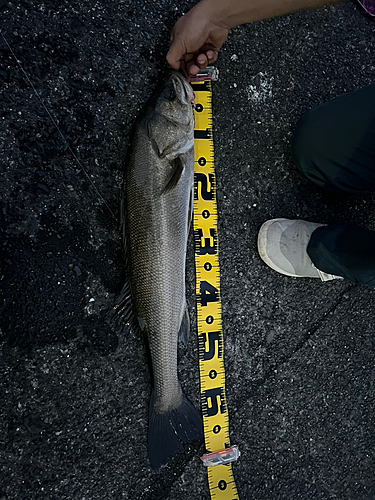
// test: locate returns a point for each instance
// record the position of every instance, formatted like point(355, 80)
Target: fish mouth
point(185, 91)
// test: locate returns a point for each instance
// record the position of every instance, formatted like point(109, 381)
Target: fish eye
point(169, 93)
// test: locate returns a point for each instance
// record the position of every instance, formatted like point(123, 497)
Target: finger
point(175, 53)
point(211, 56)
point(172, 63)
point(207, 47)
point(184, 69)
point(202, 61)
point(192, 68)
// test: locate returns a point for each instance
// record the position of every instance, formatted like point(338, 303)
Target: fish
point(157, 212)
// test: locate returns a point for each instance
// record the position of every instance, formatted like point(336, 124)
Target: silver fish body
point(158, 202)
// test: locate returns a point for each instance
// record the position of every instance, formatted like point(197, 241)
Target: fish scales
point(158, 201)
point(157, 243)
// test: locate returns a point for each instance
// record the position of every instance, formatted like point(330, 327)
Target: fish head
point(171, 118)
point(175, 98)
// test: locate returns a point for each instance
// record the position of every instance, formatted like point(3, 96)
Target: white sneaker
point(282, 245)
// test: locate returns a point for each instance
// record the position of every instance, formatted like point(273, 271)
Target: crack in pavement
point(273, 368)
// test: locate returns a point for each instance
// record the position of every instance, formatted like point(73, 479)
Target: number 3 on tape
point(210, 335)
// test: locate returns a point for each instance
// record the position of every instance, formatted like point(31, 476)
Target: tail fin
point(167, 430)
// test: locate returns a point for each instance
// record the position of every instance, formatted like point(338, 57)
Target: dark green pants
point(334, 146)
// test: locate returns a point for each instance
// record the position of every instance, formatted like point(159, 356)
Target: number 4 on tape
point(210, 335)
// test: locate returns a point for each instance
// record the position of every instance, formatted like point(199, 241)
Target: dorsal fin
point(121, 316)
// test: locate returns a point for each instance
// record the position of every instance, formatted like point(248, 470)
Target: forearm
point(230, 13)
point(199, 34)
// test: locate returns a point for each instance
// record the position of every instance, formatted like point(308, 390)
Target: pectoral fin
point(178, 168)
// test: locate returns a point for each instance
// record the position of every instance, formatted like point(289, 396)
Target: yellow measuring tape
point(211, 363)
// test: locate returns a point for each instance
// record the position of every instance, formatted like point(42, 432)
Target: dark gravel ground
point(300, 354)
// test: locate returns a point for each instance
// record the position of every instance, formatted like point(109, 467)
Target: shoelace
point(325, 276)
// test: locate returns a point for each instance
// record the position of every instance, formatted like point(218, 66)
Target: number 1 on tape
point(210, 335)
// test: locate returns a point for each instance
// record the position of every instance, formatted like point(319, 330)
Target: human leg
point(345, 250)
point(334, 146)
point(334, 143)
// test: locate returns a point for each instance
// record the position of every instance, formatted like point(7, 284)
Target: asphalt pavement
point(299, 353)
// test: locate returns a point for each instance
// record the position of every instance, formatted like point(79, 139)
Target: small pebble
point(271, 336)
point(43, 187)
point(78, 272)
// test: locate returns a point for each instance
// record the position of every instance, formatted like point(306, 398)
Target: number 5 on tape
point(210, 334)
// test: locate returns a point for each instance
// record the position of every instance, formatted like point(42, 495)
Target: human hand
point(196, 38)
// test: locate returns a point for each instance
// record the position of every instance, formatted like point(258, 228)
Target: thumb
point(176, 52)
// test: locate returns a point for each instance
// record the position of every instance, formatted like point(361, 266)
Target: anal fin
point(183, 333)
